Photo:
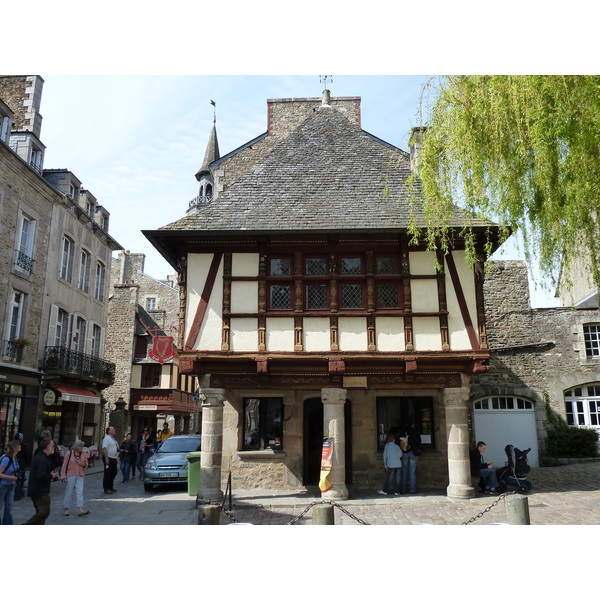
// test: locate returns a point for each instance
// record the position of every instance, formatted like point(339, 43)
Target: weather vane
point(323, 79)
point(214, 104)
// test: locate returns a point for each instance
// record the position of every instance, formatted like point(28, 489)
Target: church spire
point(212, 148)
point(204, 175)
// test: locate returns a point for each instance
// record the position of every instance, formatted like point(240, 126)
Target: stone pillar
point(457, 430)
point(334, 400)
point(212, 446)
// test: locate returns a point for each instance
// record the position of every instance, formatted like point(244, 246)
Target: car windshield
point(180, 444)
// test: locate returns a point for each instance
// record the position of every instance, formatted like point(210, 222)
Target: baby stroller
point(515, 473)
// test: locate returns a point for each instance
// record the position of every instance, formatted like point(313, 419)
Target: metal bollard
point(209, 514)
point(323, 514)
point(517, 510)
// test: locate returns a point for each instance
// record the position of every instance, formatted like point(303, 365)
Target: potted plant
point(21, 343)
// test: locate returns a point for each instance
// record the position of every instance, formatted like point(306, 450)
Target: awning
point(73, 394)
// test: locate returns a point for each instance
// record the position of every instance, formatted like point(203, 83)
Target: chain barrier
point(492, 505)
point(297, 518)
point(345, 511)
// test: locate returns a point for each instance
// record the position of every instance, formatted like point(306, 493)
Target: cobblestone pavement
point(563, 495)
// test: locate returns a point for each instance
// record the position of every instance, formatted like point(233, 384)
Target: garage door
point(503, 420)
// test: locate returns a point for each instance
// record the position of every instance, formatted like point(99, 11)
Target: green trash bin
point(193, 472)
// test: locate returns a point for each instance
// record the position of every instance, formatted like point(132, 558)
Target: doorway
point(313, 441)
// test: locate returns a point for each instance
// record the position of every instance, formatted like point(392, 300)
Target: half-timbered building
point(307, 313)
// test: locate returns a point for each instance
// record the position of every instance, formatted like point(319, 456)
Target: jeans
point(75, 482)
point(7, 494)
point(392, 474)
point(42, 510)
point(409, 471)
point(127, 467)
point(489, 475)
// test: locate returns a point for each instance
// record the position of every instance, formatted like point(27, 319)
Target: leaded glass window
point(316, 296)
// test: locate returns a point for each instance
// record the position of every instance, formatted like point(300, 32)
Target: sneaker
point(108, 491)
point(66, 513)
point(83, 512)
point(382, 493)
point(113, 490)
point(396, 493)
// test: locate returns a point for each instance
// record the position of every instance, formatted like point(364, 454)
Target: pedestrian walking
point(73, 472)
point(41, 476)
point(110, 453)
point(9, 476)
point(128, 458)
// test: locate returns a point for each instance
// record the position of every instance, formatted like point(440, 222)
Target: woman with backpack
point(9, 470)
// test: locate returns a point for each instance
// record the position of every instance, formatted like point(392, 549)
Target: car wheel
point(148, 487)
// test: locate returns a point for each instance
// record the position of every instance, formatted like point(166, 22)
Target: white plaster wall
point(389, 333)
point(422, 263)
point(424, 295)
point(352, 333)
point(459, 340)
point(244, 296)
point(244, 265)
point(426, 333)
point(244, 335)
point(280, 335)
point(210, 331)
point(316, 334)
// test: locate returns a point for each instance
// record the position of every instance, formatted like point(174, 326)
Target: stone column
point(212, 446)
point(459, 469)
point(334, 400)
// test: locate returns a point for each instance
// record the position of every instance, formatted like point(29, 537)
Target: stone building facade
point(532, 351)
point(56, 251)
point(142, 310)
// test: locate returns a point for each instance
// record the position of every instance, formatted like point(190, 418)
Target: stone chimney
point(285, 115)
point(415, 144)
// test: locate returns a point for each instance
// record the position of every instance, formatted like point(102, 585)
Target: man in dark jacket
point(41, 476)
point(483, 469)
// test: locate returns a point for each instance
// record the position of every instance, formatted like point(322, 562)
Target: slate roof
point(327, 175)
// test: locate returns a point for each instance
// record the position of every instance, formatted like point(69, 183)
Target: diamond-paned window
point(281, 266)
point(351, 295)
point(316, 266)
point(351, 266)
point(387, 295)
point(386, 265)
point(316, 296)
point(281, 296)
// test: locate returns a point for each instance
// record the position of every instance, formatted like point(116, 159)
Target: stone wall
point(23, 192)
point(23, 95)
point(532, 350)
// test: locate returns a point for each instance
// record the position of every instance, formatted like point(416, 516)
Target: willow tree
point(523, 151)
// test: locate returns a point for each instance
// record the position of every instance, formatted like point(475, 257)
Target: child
point(392, 461)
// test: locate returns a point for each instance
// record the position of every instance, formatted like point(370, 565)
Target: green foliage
point(563, 441)
point(523, 151)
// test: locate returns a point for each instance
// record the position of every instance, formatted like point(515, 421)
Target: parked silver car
point(169, 464)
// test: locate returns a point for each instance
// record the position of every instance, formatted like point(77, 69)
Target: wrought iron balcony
point(62, 360)
point(24, 262)
point(13, 351)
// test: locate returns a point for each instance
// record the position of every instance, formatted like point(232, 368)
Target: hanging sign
point(162, 350)
point(326, 464)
